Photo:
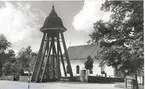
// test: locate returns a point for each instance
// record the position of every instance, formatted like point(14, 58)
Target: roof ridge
point(82, 45)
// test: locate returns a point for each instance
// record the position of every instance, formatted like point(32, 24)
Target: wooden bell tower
point(50, 56)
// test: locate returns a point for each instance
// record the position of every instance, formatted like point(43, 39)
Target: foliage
point(89, 63)
point(14, 65)
point(11, 68)
point(7, 59)
point(26, 57)
point(4, 43)
point(121, 38)
point(11, 65)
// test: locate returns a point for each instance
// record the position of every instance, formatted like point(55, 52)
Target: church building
point(79, 54)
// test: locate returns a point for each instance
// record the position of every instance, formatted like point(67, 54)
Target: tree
point(27, 57)
point(33, 60)
point(89, 63)
point(11, 65)
point(121, 38)
point(4, 43)
point(9, 62)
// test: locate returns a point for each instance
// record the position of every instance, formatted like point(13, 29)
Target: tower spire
point(53, 5)
point(53, 13)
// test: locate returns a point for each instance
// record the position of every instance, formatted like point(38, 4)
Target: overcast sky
point(21, 21)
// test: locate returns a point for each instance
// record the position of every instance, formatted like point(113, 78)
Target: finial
point(53, 13)
point(53, 5)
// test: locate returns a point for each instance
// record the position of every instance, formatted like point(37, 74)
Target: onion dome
point(53, 23)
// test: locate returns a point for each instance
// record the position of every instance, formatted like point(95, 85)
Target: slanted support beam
point(38, 59)
point(37, 79)
point(46, 67)
point(58, 56)
point(67, 57)
point(62, 59)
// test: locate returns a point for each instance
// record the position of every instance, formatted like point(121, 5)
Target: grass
point(122, 85)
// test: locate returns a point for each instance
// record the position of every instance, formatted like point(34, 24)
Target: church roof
point(83, 51)
point(53, 22)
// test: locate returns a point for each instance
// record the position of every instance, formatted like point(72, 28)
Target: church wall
point(96, 69)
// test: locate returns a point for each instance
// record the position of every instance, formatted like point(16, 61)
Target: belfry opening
point(52, 52)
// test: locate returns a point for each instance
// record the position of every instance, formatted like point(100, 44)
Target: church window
point(77, 69)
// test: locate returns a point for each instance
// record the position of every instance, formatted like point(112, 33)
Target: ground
point(55, 85)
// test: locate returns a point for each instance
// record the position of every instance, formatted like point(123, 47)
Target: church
point(79, 54)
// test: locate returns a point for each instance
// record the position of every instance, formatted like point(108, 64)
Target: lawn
point(55, 85)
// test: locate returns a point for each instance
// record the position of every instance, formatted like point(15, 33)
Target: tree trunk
point(115, 71)
point(136, 82)
point(125, 79)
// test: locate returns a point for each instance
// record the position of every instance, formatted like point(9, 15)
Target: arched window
point(77, 69)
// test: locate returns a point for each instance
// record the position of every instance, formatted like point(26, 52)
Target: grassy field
point(122, 85)
point(55, 85)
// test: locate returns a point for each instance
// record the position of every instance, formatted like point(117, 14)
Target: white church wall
point(96, 69)
point(109, 70)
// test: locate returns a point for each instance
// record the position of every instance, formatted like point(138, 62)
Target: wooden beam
point(61, 55)
point(56, 61)
point(67, 57)
point(47, 58)
point(53, 58)
point(58, 57)
point(41, 62)
point(38, 59)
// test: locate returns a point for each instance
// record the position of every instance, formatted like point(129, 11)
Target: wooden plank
point(41, 62)
point(48, 48)
point(38, 59)
point(58, 57)
point(67, 57)
point(47, 64)
point(55, 61)
point(62, 60)
point(53, 58)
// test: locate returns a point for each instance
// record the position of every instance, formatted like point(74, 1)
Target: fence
point(11, 78)
point(96, 79)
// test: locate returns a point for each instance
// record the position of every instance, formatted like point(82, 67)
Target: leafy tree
point(121, 38)
point(27, 57)
point(4, 43)
point(89, 63)
point(11, 65)
point(33, 60)
point(8, 61)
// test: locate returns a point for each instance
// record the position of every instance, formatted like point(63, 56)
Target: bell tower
point(52, 52)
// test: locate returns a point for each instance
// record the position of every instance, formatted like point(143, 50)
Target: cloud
point(20, 23)
point(89, 14)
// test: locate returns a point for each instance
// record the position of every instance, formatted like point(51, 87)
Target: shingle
point(83, 51)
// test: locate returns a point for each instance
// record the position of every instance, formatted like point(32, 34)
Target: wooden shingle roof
point(83, 51)
point(53, 23)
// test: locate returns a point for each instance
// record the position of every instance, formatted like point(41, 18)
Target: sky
point(20, 21)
